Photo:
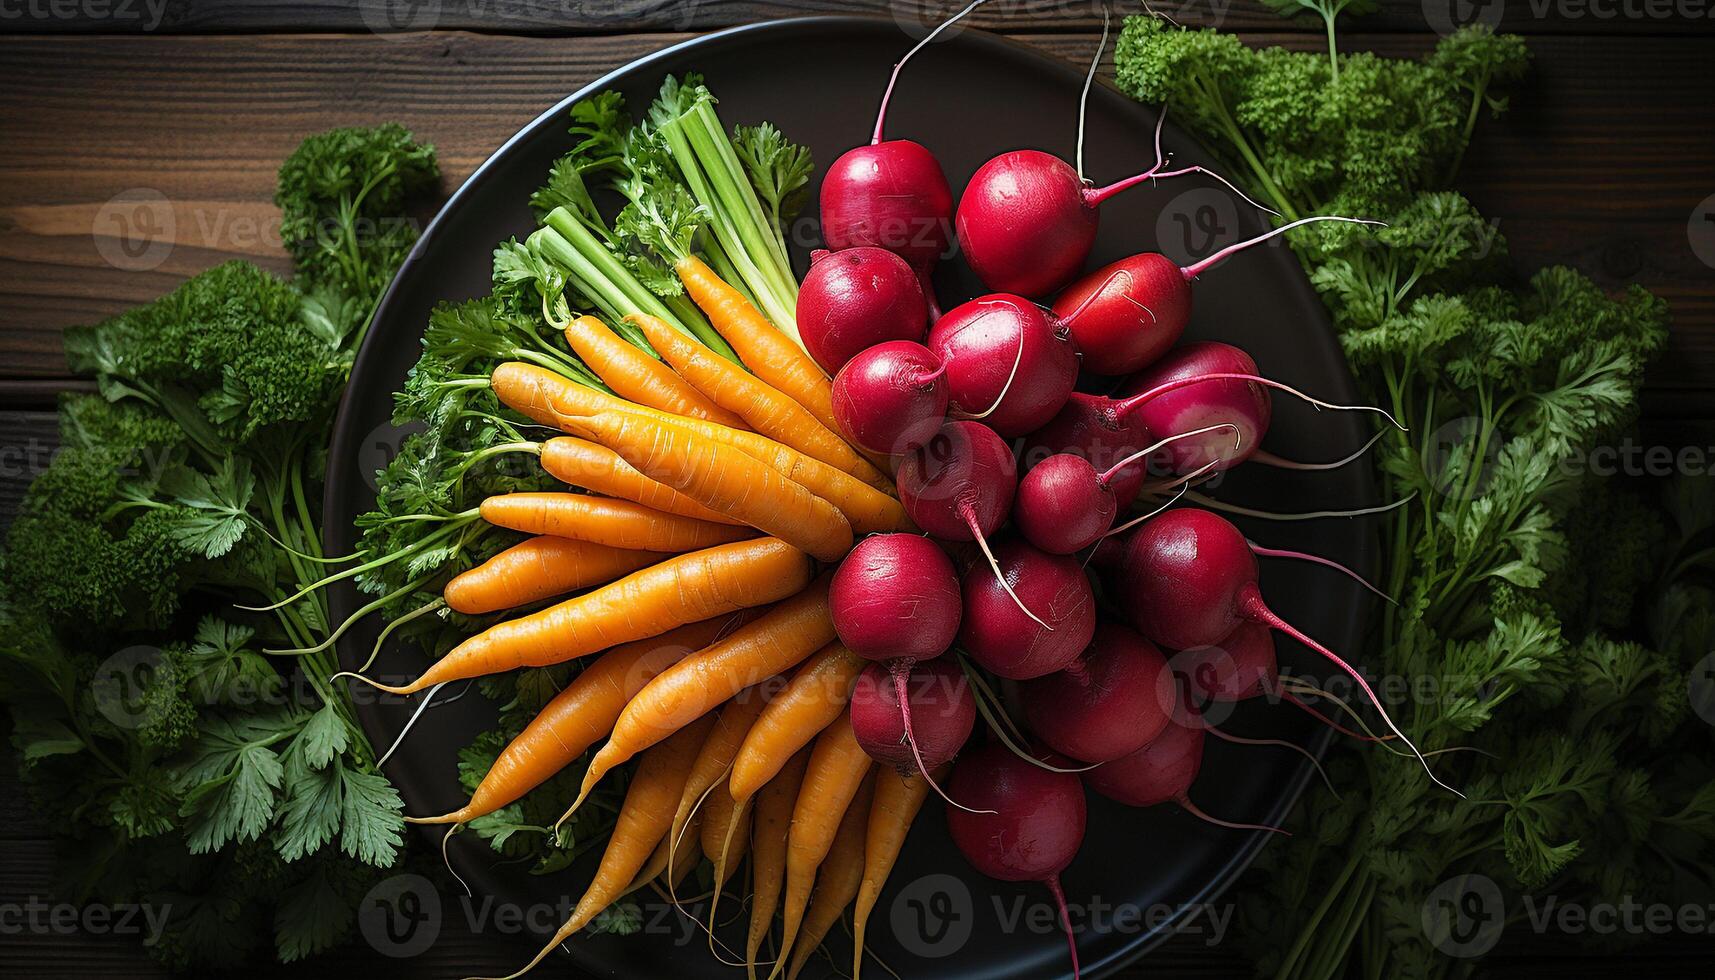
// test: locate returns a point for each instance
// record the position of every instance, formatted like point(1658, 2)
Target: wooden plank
point(572, 17)
point(1576, 175)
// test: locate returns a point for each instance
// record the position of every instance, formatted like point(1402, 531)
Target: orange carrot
point(776, 641)
point(644, 819)
point(775, 357)
point(726, 835)
point(635, 376)
point(606, 521)
point(722, 478)
point(715, 758)
point(814, 697)
point(551, 399)
point(683, 589)
point(837, 768)
point(581, 714)
point(774, 804)
point(838, 880)
point(762, 407)
point(898, 798)
point(540, 568)
point(600, 470)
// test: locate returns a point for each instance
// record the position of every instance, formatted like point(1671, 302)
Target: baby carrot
point(683, 589)
point(635, 376)
point(815, 696)
point(643, 821)
point(838, 880)
point(762, 407)
point(773, 822)
point(540, 568)
point(837, 768)
point(581, 714)
point(606, 521)
point(600, 470)
point(770, 352)
point(775, 641)
point(898, 798)
point(551, 399)
point(722, 478)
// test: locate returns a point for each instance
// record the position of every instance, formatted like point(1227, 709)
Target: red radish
point(1063, 505)
point(1008, 362)
point(1090, 426)
point(892, 194)
point(896, 598)
point(1117, 332)
point(857, 298)
point(1240, 403)
point(958, 486)
point(1161, 772)
point(1000, 629)
point(1027, 219)
point(1107, 703)
point(1035, 826)
point(1189, 579)
point(891, 398)
point(913, 718)
point(1240, 666)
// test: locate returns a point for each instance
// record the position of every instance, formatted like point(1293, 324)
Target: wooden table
point(1604, 164)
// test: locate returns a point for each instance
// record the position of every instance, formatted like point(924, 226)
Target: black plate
point(976, 94)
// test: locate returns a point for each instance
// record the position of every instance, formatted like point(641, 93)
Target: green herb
point(196, 754)
point(1554, 613)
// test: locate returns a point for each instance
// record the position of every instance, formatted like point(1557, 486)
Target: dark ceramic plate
point(968, 98)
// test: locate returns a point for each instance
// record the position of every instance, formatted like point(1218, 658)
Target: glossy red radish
point(892, 194)
point(1027, 219)
point(958, 486)
point(1189, 579)
point(916, 718)
point(1110, 701)
point(1090, 426)
point(1009, 362)
point(1035, 829)
point(1161, 772)
point(896, 597)
point(1064, 504)
point(856, 298)
point(1032, 619)
point(891, 398)
point(1116, 331)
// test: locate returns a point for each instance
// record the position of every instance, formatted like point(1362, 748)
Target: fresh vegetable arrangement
point(1556, 612)
point(191, 748)
point(744, 560)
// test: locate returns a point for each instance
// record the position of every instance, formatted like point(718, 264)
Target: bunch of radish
point(1022, 486)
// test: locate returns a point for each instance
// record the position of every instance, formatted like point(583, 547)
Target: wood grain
point(572, 17)
point(223, 111)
